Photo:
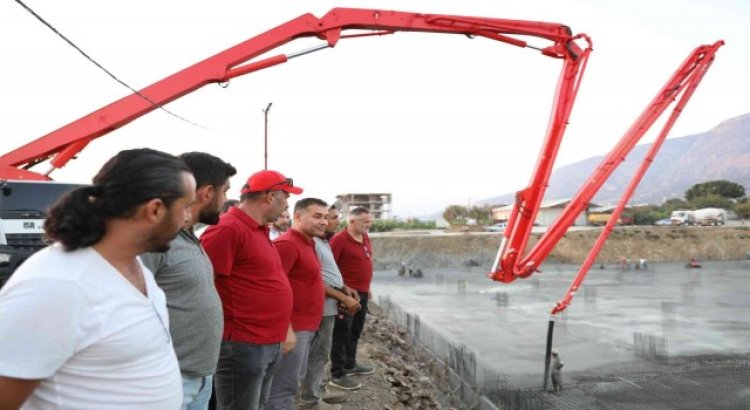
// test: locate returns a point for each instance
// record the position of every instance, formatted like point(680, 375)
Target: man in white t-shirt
point(83, 324)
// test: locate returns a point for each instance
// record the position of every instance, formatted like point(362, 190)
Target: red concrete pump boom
point(63, 144)
point(60, 146)
point(679, 88)
point(511, 262)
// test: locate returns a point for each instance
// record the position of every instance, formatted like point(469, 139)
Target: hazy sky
point(435, 119)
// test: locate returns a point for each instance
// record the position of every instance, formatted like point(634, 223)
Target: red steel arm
point(687, 75)
point(518, 230)
point(685, 81)
point(63, 144)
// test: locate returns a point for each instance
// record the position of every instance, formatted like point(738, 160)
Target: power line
point(114, 77)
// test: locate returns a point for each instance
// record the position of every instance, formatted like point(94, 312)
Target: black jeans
point(346, 332)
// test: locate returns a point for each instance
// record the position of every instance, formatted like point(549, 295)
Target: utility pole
point(265, 136)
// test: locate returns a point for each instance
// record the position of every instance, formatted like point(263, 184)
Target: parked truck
point(704, 217)
point(710, 216)
point(23, 207)
point(601, 219)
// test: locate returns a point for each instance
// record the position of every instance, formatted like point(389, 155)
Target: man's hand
point(351, 304)
point(290, 342)
point(350, 292)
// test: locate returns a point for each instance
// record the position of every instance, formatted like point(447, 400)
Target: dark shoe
point(360, 369)
point(345, 382)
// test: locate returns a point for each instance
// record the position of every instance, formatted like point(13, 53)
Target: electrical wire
point(109, 73)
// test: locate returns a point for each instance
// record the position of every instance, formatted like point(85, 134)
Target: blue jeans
point(288, 373)
point(196, 392)
point(243, 375)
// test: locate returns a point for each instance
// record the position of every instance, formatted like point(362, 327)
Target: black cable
point(114, 77)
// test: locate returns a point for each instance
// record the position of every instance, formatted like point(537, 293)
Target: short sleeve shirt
point(354, 260)
point(302, 266)
point(331, 274)
point(186, 276)
point(255, 293)
point(74, 322)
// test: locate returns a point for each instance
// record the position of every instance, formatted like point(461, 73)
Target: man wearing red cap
point(255, 292)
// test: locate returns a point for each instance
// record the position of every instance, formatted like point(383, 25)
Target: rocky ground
point(404, 377)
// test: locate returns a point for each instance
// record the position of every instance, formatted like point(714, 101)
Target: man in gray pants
point(313, 387)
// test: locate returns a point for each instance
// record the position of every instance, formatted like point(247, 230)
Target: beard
point(162, 236)
point(209, 216)
point(161, 249)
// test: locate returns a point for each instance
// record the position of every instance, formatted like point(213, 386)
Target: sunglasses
point(286, 181)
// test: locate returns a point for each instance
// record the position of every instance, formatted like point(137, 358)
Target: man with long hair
point(83, 323)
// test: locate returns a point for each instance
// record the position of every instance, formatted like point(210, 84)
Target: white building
point(549, 210)
point(379, 204)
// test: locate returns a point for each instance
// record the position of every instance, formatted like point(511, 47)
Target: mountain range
point(720, 153)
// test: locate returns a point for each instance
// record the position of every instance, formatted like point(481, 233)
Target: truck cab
point(683, 217)
point(23, 207)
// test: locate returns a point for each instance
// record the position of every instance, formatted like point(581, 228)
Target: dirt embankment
point(404, 378)
point(651, 243)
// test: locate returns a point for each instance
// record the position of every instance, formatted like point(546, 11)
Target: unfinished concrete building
point(379, 204)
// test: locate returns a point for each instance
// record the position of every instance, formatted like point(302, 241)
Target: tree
point(743, 210)
point(712, 201)
point(718, 187)
point(647, 215)
point(482, 214)
point(674, 204)
point(455, 212)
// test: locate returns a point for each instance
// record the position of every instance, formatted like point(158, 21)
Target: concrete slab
point(620, 321)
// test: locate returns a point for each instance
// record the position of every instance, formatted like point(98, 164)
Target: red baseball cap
point(268, 180)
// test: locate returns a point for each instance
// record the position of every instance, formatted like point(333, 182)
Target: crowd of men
point(129, 308)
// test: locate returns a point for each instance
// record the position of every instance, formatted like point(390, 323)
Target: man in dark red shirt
point(255, 293)
point(297, 251)
point(353, 253)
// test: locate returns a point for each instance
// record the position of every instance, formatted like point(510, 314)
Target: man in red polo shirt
point(297, 251)
point(353, 253)
point(255, 293)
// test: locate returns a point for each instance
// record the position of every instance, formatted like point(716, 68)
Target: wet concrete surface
point(621, 321)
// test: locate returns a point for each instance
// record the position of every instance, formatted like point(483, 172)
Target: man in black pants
point(353, 253)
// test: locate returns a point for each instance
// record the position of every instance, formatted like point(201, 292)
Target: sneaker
point(346, 383)
point(360, 369)
point(334, 397)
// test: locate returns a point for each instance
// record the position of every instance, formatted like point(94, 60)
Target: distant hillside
point(721, 153)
